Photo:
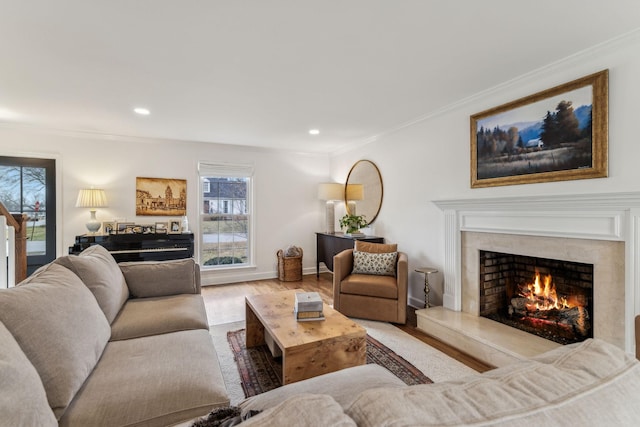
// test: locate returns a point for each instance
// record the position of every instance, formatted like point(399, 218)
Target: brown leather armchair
point(370, 296)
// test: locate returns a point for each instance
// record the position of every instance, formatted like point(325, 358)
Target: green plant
point(353, 223)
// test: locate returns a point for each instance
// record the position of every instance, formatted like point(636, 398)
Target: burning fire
point(544, 296)
point(540, 304)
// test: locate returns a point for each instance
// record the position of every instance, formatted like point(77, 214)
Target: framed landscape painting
point(555, 135)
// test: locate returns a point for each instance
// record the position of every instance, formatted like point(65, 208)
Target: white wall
point(430, 159)
point(285, 186)
point(419, 163)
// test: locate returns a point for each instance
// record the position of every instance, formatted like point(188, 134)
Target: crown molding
point(623, 41)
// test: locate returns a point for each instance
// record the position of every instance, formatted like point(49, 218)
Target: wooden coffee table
point(308, 349)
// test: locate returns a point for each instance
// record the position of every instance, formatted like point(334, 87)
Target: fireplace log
point(576, 318)
point(519, 303)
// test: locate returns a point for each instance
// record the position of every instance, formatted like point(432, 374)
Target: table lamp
point(330, 192)
point(92, 198)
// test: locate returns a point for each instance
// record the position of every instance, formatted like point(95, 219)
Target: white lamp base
point(351, 207)
point(93, 225)
point(330, 225)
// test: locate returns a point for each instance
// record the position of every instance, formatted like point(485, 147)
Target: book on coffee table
point(307, 316)
point(311, 319)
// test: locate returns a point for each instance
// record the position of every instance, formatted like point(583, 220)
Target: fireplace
point(602, 230)
point(550, 298)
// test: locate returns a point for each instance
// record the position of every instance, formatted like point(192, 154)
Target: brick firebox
point(503, 276)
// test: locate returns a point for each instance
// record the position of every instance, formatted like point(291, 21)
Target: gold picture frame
point(161, 196)
point(542, 138)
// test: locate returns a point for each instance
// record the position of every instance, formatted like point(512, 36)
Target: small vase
point(185, 224)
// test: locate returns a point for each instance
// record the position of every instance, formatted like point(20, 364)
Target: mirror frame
point(379, 177)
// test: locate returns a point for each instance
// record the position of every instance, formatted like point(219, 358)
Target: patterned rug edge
point(260, 372)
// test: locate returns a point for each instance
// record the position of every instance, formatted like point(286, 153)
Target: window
point(225, 219)
point(28, 186)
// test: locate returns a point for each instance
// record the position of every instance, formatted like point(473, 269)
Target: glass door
point(28, 186)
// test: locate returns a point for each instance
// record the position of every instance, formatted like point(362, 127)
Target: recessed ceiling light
point(314, 132)
point(142, 111)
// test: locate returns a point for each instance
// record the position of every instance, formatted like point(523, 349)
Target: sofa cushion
point(368, 285)
point(99, 271)
point(590, 383)
point(162, 278)
point(377, 264)
point(58, 324)
point(142, 317)
point(305, 410)
point(151, 381)
point(23, 401)
point(375, 248)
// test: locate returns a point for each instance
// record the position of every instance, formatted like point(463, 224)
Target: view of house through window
point(28, 186)
point(225, 224)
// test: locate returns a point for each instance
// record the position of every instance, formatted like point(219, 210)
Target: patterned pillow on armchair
point(378, 264)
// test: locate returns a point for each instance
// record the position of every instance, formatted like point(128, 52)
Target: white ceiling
point(264, 72)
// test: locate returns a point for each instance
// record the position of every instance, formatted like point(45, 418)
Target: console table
point(330, 244)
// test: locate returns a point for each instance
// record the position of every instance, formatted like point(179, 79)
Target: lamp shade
point(91, 198)
point(355, 192)
point(330, 191)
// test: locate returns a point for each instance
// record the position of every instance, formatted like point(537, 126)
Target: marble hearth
point(603, 230)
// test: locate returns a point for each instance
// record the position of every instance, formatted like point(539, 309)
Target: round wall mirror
point(363, 191)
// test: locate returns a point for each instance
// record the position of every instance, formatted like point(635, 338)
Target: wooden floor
point(225, 304)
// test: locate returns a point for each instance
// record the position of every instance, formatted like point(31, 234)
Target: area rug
point(261, 372)
point(430, 361)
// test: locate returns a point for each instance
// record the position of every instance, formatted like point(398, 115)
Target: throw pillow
point(379, 264)
point(99, 271)
point(375, 248)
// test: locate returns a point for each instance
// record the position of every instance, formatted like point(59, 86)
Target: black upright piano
point(139, 247)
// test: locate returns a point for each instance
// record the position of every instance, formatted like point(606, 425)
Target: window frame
point(225, 170)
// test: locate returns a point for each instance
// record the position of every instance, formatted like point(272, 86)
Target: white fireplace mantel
point(614, 217)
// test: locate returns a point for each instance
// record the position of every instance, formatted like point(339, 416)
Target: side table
point(426, 271)
point(330, 244)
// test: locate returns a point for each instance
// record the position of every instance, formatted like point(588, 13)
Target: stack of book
point(308, 306)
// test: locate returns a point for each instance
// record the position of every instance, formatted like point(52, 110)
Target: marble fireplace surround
point(606, 256)
point(600, 229)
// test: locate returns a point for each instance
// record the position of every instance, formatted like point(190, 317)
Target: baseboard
point(218, 277)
